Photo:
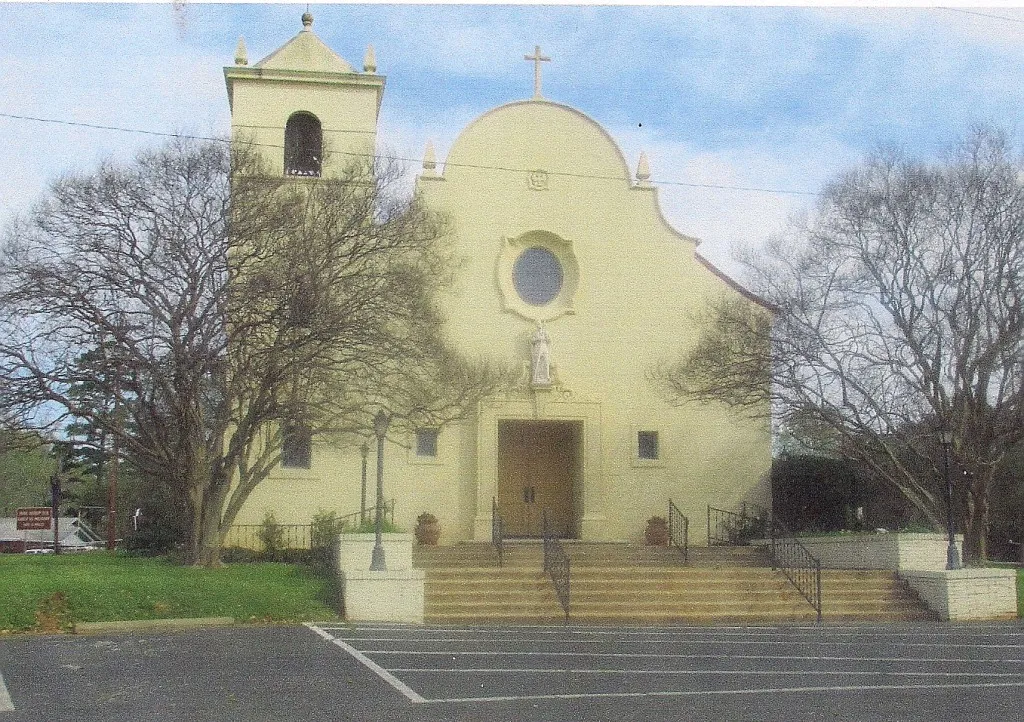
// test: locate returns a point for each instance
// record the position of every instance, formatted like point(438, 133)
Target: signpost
point(33, 518)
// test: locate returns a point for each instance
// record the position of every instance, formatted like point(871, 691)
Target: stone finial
point(370, 60)
point(241, 54)
point(643, 172)
point(429, 160)
point(307, 20)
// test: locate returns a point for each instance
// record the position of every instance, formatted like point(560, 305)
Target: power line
point(566, 174)
point(106, 127)
point(983, 15)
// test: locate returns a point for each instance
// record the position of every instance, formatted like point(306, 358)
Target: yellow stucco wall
point(637, 284)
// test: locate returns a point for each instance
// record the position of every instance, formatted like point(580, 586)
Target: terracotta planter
point(656, 533)
point(428, 530)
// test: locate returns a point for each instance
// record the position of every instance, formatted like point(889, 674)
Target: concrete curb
point(148, 625)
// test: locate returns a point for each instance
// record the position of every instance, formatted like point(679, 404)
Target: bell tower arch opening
point(303, 145)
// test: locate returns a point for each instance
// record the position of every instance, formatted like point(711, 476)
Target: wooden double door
point(538, 466)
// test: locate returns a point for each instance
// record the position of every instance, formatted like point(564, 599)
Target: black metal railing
point(254, 536)
point(556, 565)
point(497, 532)
point(678, 530)
point(298, 536)
point(794, 560)
point(730, 528)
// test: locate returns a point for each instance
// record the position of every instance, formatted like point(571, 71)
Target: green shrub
point(369, 527)
point(271, 535)
point(324, 527)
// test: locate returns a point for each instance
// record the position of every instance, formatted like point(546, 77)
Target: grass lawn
point(1020, 592)
point(97, 587)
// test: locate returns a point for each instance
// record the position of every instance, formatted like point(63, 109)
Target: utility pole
point(114, 467)
point(55, 494)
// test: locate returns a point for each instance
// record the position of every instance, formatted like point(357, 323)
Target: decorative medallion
point(538, 180)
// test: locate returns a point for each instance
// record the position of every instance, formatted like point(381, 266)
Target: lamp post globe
point(380, 429)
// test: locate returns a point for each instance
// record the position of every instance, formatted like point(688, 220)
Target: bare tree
point(222, 305)
point(896, 318)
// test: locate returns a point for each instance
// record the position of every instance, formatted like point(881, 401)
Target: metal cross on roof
point(537, 59)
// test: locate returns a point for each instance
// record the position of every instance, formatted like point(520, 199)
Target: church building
point(570, 270)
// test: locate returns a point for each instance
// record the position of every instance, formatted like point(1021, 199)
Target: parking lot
point(779, 673)
point(381, 672)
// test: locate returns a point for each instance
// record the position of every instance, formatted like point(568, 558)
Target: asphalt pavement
point(385, 672)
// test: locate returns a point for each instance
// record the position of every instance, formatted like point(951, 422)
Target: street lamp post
point(952, 556)
point(380, 428)
point(365, 451)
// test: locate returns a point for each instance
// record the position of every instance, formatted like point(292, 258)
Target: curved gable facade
point(571, 272)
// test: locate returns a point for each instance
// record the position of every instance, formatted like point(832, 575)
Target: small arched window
point(303, 146)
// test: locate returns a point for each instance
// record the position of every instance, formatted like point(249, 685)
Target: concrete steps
point(475, 595)
point(631, 584)
point(868, 595)
point(530, 554)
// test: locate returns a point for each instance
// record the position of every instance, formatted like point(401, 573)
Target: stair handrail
point(679, 530)
point(497, 532)
point(729, 528)
point(556, 565)
point(793, 559)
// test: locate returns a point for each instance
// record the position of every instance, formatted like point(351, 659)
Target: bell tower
point(309, 111)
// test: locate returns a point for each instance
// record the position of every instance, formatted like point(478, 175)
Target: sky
point(744, 112)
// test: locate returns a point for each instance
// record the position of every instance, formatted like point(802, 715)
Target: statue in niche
point(540, 344)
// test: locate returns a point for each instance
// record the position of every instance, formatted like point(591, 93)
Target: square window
point(426, 442)
point(647, 444)
point(297, 447)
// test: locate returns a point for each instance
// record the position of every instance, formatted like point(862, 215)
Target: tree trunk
point(203, 543)
point(208, 543)
point(212, 522)
point(976, 528)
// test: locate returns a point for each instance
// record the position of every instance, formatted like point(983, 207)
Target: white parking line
point(700, 633)
point(6, 703)
point(723, 692)
point(699, 672)
point(391, 679)
point(651, 655)
point(732, 642)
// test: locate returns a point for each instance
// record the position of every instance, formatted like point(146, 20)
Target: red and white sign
point(34, 517)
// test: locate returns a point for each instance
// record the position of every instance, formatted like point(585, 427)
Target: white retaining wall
point(881, 551)
point(356, 550)
point(395, 595)
point(961, 594)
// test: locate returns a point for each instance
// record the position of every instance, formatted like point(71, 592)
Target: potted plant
point(656, 533)
point(428, 530)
